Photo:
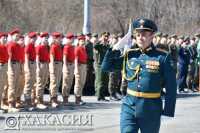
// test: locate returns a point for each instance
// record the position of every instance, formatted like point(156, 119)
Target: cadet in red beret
point(21, 77)
point(30, 69)
point(70, 35)
point(44, 34)
point(81, 37)
point(68, 67)
point(3, 64)
point(55, 67)
point(13, 69)
point(32, 34)
point(42, 70)
point(56, 34)
point(80, 69)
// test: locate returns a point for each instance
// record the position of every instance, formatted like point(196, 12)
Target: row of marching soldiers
point(26, 69)
point(185, 52)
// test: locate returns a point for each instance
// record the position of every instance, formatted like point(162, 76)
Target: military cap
point(69, 35)
point(165, 35)
point(3, 34)
point(181, 37)
point(120, 35)
point(144, 24)
point(44, 34)
point(14, 31)
point(88, 34)
point(81, 37)
point(197, 34)
point(114, 36)
point(173, 36)
point(94, 35)
point(105, 34)
point(79, 34)
point(158, 34)
point(186, 38)
point(56, 34)
point(32, 34)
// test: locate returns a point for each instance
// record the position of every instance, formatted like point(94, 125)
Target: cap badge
point(141, 23)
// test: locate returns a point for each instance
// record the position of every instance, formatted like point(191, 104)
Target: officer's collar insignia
point(145, 50)
point(141, 23)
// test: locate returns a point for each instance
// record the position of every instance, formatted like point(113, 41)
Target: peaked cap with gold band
point(144, 24)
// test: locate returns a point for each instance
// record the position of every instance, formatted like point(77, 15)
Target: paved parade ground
point(99, 117)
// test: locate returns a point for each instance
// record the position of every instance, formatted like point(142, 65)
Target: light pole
point(87, 17)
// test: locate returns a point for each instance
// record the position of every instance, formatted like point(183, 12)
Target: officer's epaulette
point(162, 50)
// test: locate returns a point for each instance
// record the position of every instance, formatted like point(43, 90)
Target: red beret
point(81, 37)
point(69, 35)
point(44, 34)
point(14, 31)
point(32, 34)
point(56, 34)
point(3, 34)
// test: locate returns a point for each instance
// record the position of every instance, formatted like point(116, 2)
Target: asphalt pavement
point(98, 117)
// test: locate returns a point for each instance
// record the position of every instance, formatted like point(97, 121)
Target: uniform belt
point(32, 62)
point(2, 64)
point(41, 61)
point(143, 94)
point(57, 62)
point(14, 61)
point(70, 63)
point(82, 63)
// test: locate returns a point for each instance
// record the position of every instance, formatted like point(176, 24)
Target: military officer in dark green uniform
point(190, 80)
point(89, 86)
point(180, 41)
point(163, 42)
point(197, 35)
point(157, 38)
point(101, 77)
point(146, 68)
point(173, 50)
point(114, 77)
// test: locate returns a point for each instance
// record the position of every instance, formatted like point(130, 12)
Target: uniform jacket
point(99, 52)
point(146, 71)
